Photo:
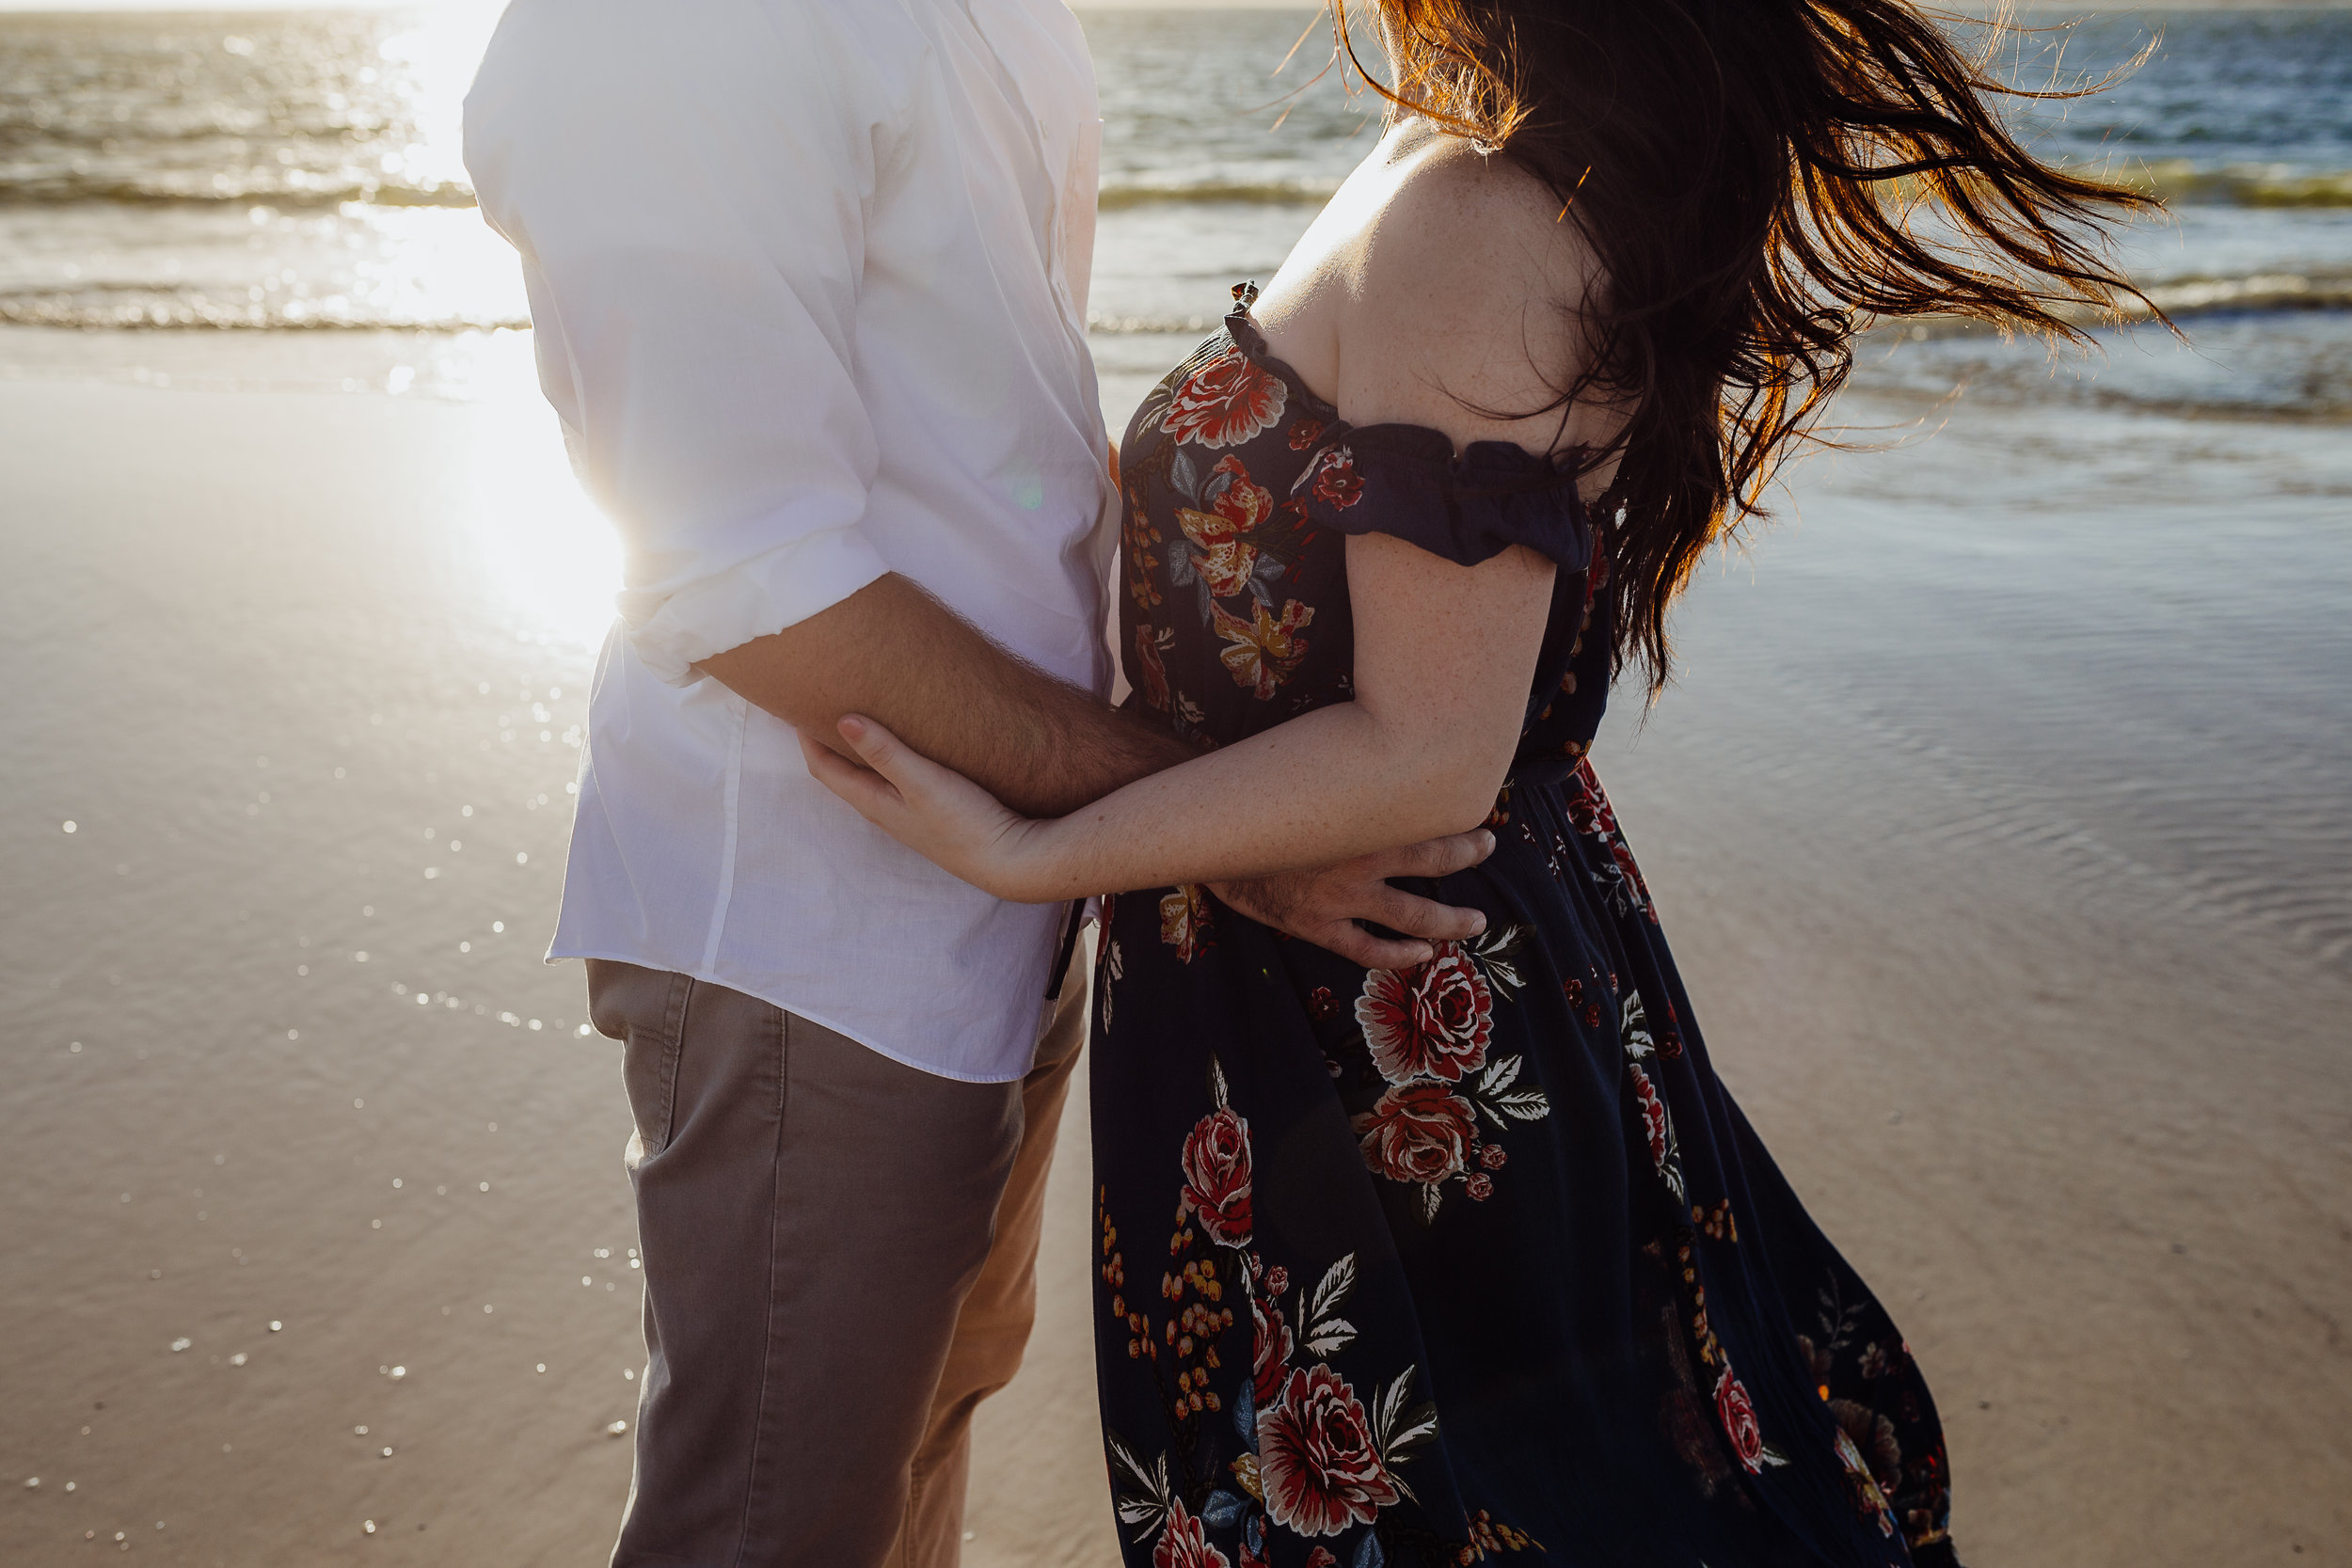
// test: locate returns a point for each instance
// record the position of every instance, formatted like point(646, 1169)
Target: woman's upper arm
point(1462, 315)
point(1445, 655)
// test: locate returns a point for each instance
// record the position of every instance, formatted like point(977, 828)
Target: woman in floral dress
point(1477, 1259)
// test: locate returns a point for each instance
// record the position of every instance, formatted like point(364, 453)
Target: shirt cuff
point(674, 632)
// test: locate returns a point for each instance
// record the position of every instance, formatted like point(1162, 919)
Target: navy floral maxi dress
point(1475, 1260)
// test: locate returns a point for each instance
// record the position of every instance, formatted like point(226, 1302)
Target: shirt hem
point(557, 954)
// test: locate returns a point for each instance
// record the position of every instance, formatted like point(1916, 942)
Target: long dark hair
point(1748, 174)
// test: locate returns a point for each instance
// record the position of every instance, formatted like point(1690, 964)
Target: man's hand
point(1323, 906)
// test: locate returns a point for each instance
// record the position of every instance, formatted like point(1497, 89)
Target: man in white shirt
point(809, 282)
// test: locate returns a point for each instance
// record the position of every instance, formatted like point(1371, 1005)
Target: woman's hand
point(937, 813)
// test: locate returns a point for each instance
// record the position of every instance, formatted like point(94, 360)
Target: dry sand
point(2055, 1045)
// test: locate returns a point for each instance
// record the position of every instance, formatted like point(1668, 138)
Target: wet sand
point(1997, 821)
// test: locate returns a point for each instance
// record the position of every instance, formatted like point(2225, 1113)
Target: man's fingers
point(1416, 916)
point(1357, 945)
point(1437, 857)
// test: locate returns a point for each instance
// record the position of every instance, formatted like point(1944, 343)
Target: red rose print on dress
point(1316, 1461)
point(1305, 433)
point(1418, 1132)
point(1636, 888)
point(1432, 1020)
point(1181, 1543)
point(1216, 1176)
point(1225, 402)
point(1658, 1126)
point(1590, 815)
point(1738, 1415)
point(1337, 484)
point(1653, 1117)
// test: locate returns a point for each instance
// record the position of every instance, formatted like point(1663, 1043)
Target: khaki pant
point(840, 1265)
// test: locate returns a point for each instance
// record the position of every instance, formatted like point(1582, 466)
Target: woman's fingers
point(917, 777)
point(868, 791)
point(875, 746)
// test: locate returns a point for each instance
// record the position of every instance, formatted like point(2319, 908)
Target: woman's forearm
point(1326, 786)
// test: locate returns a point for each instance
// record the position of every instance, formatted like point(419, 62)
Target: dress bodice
point(1240, 488)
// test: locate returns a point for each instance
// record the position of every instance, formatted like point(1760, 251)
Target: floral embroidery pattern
point(1318, 1459)
point(1734, 1412)
point(1868, 1445)
point(1186, 922)
point(1225, 402)
point(1260, 652)
point(1224, 555)
point(1660, 1130)
point(1870, 1497)
point(1427, 1029)
point(1657, 1124)
point(1150, 645)
point(1432, 1022)
point(1138, 540)
point(1216, 1176)
point(1419, 1133)
point(1332, 478)
point(1738, 1414)
point(1590, 812)
point(1318, 1465)
point(1183, 1546)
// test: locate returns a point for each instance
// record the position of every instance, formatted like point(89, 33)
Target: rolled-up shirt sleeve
point(688, 187)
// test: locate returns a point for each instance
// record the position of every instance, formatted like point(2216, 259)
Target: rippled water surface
point(2109, 597)
point(302, 168)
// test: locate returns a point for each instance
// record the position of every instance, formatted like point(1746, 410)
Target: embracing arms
point(690, 197)
point(1407, 324)
point(1043, 746)
point(1444, 657)
point(1046, 747)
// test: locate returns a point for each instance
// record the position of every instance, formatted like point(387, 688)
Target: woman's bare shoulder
point(1465, 301)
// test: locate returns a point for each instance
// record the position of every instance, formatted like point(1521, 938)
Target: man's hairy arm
point(1046, 747)
point(891, 650)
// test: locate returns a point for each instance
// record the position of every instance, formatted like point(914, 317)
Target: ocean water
point(2107, 591)
point(301, 169)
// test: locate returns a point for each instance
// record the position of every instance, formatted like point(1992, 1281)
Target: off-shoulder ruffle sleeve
point(1406, 481)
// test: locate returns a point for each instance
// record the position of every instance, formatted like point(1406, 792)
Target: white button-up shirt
point(808, 278)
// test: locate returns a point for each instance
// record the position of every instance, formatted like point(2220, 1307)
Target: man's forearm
point(895, 653)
